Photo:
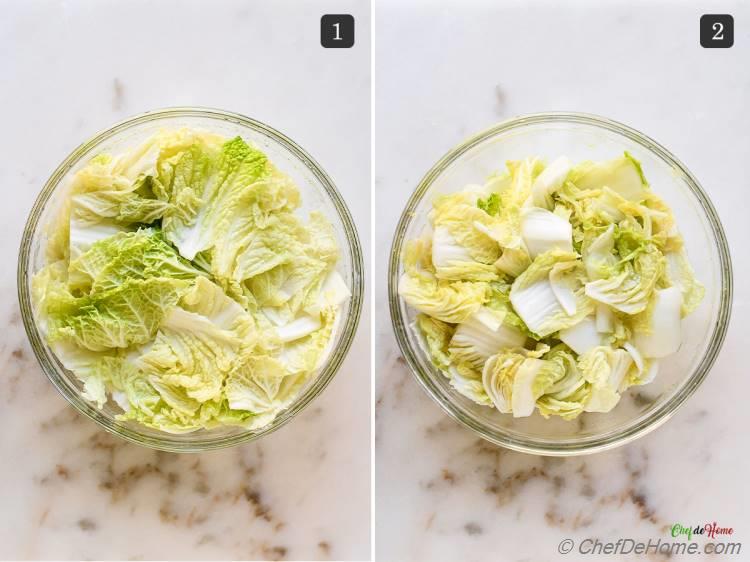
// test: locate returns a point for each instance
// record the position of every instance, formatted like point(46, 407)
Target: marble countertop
point(72, 491)
point(444, 73)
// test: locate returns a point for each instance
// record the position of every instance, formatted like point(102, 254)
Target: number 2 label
point(718, 27)
point(717, 31)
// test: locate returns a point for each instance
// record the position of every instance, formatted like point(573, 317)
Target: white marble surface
point(70, 491)
point(444, 72)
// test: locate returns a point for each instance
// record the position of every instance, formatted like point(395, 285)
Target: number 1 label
point(337, 31)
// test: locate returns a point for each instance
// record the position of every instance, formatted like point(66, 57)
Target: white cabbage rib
point(535, 304)
point(543, 230)
point(565, 286)
point(548, 296)
point(513, 261)
point(299, 328)
point(334, 292)
point(582, 337)
point(605, 319)
point(665, 325)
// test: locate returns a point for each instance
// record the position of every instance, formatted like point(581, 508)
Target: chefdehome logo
point(683, 541)
point(708, 530)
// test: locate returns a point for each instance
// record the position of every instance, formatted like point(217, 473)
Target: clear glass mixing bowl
point(318, 193)
point(580, 137)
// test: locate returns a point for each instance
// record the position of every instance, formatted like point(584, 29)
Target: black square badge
point(337, 31)
point(717, 31)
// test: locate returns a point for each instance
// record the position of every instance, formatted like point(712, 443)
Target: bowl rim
point(166, 441)
point(610, 439)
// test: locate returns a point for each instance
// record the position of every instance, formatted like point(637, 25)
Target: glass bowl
point(318, 193)
point(580, 137)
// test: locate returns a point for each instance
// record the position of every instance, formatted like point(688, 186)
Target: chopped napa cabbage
point(498, 375)
point(491, 204)
point(203, 192)
point(525, 387)
point(642, 365)
point(516, 382)
point(549, 181)
point(482, 335)
point(681, 275)
point(116, 318)
point(298, 281)
point(599, 257)
point(449, 301)
point(606, 369)
point(605, 320)
point(581, 337)
point(165, 265)
point(622, 175)
point(262, 385)
point(453, 261)
point(333, 293)
point(308, 353)
point(112, 193)
point(543, 230)
point(513, 192)
point(121, 207)
point(552, 287)
point(513, 261)
point(662, 333)
point(564, 282)
point(495, 185)
point(143, 254)
point(536, 301)
point(499, 300)
point(82, 236)
point(436, 335)
point(299, 328)
point(568, 394)
point(468, 382)
point(629, 288)
point(645, 374)
point(458, 221)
